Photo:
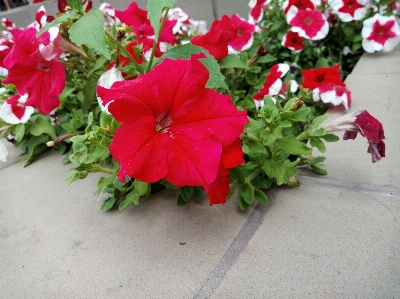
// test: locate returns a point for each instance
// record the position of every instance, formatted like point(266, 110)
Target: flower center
point(308, 21)
point(42, 67)
point(240, 32)
point(163, 122)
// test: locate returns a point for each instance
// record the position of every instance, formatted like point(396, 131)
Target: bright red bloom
point(136, 17)
point(309, 23)
point(293, 41)
point(175, 128)
point(317, 77)
point(41, 79)
point(300, 4)
point(217, 39)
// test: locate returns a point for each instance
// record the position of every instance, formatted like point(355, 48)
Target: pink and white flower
point(256, 10)
point(273, 83)
point(109, 14)
point(107, 80)
point(244, 35)
point(14, 111)
point(300, 4)
point(293, 41)
point(308, 23)
point(333, 94)
point(349, 10)
point(380, 33)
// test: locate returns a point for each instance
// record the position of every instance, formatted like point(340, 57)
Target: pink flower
point(300, 4)
point(14, 111)
point(317, 77)
point(308, 23)
point(31, 73)
point(273, 83)
point(380, 33)
point(333, 94)
point(349, 10)
point(293, 41)
point(365, 124)
point(217, 39)
point(244, 35)
point(109, 14)
point(7, 23)
point(256, 10)
point(136, 17)
point(182, 130)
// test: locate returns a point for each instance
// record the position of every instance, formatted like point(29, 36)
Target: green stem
point(153, 51)
point(235, 81)
point(123, 50)
point(102, 169)
point(251, 176)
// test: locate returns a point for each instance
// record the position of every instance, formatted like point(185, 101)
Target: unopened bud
point(297, 104)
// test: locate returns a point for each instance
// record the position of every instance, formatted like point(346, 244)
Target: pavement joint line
point(352, 186)
point(240, 242)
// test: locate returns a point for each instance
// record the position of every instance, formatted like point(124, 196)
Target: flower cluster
point(153, 100)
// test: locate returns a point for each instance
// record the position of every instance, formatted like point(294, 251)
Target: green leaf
point(330, 137)
point(89, 31)
point(319, 120)
point(41, 125)
point(267, 59)
point(108, 203)
point(317, 133)
point(183, 52)
point(140, 189)
point(242, 203)
point(216, 80)
point(75, 4)
point(260, 197)
point(319, 144)
point(319, 169)
point(167, 184)
point(316, 160)
point(247, 193)
point(301, 115)
point(19, 132)
point(186, 192)
point(292, 146)
point(321, 62)
point(231, 61)
point(199, 193)
point(60, 19)
point(76, 176)
point(155, 10)
point(274, 169)
point(89, 94)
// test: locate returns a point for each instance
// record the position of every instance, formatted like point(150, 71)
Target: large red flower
point(317, 77)
point(217, 39)
point(175, 128)
point(31, 73)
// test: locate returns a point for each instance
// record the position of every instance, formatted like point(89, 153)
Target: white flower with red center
point(3, 152)
point(273, 83)
point(308, 23)
point(181, 17)
point(293, 41)
point(244, 35)
point(256, 10)
point(349, 10)
point(380, 33)
point(14, 111)
point(7, 23)
point(40, 19)
point(333, 94)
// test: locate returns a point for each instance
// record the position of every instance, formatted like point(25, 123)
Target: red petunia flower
point(333, 94)
point(256, 10)
point(31, 73)
point(136, 17)
point(14, 110)
point(244, 35)
point(349, 10)
point(300, 4)
point(293, 41)
point(174, 128)
point(309, 23)
point(217, 39)
point(273, 83)
point(380, 33)
point(317, 77)
point(365, 124)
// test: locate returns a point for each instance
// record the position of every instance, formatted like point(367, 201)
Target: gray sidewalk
point(335, 236)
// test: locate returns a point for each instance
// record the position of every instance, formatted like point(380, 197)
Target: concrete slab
point(56, 243)
point(230, 7)
point(320, 243)
point(374, 86)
